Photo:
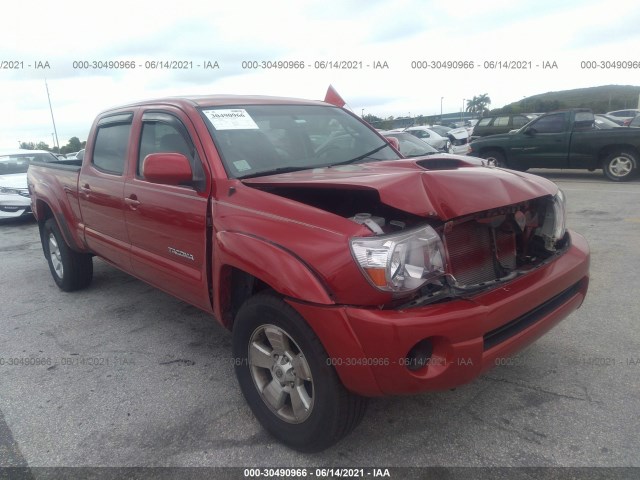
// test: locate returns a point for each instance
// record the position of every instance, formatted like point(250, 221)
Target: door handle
point(132, 201)
point(86, 189)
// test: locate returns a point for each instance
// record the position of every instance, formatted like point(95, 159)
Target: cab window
point(164, 133)
point(550, 124)
point(110, 148)
point(501, 122)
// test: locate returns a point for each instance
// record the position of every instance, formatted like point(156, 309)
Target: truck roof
point(222, 100)
point(576, 109)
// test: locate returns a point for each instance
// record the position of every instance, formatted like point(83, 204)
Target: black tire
point(70, 270)
point(620, 166)
point(495, 158)
point(332, 411)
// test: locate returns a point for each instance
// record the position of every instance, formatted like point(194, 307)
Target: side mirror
point(530, 131)
point(167, 168)
point(394, 142)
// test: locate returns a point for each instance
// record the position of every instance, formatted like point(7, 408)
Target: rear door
point(167, 224)
point(100, 188)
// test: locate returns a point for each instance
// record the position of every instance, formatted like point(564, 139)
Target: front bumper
point(14, 206)
point(369, 347)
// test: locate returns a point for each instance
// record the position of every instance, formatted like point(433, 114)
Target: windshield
point(411, 146)
point(258, 140)
point(19, 162)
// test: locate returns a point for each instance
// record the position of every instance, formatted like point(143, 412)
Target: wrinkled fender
point(71, 235)
point(276, 266)
point(50, 193)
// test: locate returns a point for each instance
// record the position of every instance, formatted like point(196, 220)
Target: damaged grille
point(470, 255)
point(494, 246)
point(491, 245)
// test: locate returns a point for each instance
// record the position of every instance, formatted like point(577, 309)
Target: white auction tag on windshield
point(230, 119)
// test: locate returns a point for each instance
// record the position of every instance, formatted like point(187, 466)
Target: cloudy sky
point(66, 33)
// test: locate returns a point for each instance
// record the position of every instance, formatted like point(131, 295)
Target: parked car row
point(569, 139)
point(14, 194)
point(625, 116)
point(441, 138)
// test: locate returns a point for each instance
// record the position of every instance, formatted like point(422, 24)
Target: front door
point(167, 224)
point(545, 146)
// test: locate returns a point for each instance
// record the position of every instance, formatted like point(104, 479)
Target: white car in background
point(14, 194)
point(455, 140)
point(625, 115)
point(431, 137)
point(459, 141)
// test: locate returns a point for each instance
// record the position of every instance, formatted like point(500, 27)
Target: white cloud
point(395, 31)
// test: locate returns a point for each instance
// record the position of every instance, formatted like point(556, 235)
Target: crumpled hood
point(459, 133)
point(403, 184)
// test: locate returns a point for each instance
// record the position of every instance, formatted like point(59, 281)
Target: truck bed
point(46, 181)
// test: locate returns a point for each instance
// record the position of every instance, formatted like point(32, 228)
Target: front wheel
point(494, 158)
point(70, 270)
point(620, 166)
point(285, 376)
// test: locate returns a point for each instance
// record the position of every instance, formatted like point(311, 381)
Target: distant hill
point(599, 99)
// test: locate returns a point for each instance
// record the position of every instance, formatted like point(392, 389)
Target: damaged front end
point(462, 256)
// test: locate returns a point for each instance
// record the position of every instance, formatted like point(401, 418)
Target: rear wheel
point(620, 166)
point(70, 270)
point(285, 376)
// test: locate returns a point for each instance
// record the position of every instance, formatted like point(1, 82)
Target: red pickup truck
point(343, 270)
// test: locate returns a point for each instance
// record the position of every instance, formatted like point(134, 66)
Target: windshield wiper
point(278, 170)
point(361, 157)
point(420, 154)
point(275, 171)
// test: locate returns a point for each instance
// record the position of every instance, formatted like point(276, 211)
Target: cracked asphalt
point(129, 376)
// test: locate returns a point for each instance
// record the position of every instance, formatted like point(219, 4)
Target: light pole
point(441, 98)
point(462, 109)
point(362, 115)
point(52, 119)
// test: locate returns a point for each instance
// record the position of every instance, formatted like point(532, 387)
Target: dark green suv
point(499, 124)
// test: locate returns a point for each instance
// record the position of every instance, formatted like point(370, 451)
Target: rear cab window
point(111, 143)
point(554, 123)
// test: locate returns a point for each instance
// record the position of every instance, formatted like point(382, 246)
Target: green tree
point(479, 104)
point(371, 118)
point(74, 144)
point(27, 145)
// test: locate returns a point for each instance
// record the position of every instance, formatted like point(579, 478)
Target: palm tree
point(483, 102)
point(471, 105)
point(478, 104)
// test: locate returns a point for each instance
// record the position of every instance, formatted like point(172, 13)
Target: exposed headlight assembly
point(401, 262)
point(554, 225)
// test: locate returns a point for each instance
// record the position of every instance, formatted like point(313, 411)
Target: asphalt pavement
point(121, 374)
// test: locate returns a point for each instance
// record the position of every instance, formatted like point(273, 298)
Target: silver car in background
point(14, 194)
